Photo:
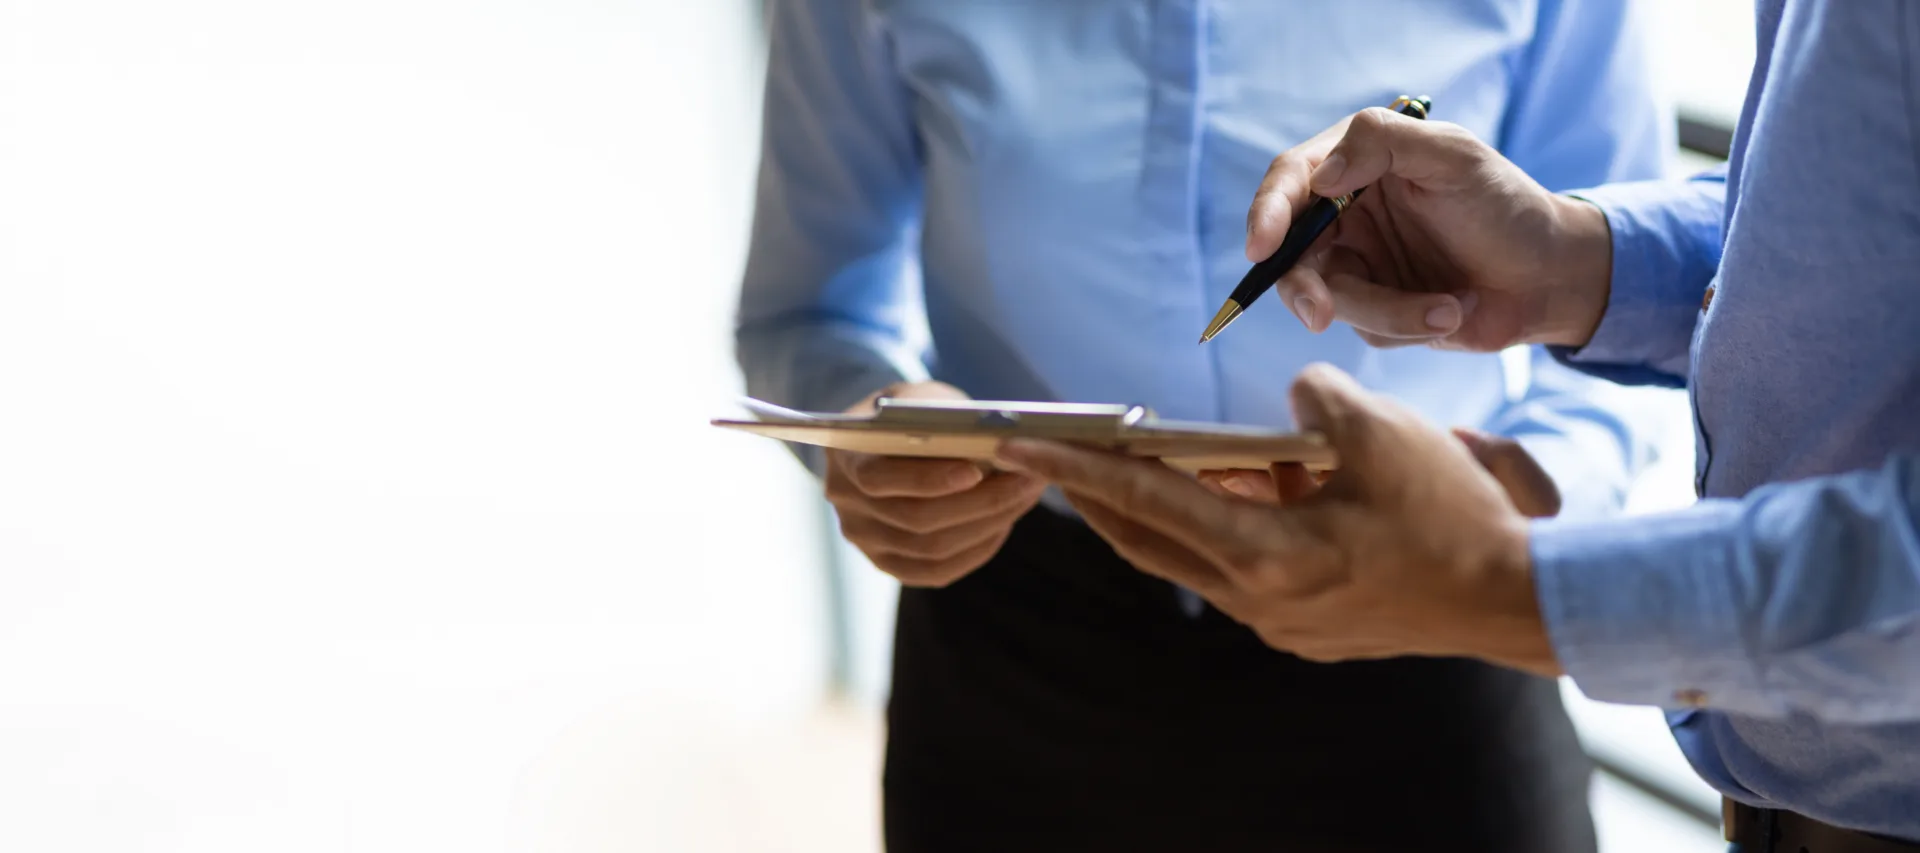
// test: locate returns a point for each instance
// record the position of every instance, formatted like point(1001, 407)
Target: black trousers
point(1059, 700)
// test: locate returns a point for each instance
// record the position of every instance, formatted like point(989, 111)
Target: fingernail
point(1234, 485)
point(1329, 171)
point(1303, 308)
point(1441, 318)
point(965, 478)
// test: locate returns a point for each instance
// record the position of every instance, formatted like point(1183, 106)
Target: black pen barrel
point(1318, 218)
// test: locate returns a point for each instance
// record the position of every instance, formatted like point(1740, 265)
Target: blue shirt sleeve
point(831, 280)
point(1667, 238)
point(1584, 107)
point(1594, 54)
point(1802, 598)
point(1589, 436)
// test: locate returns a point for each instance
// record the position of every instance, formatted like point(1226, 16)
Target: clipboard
point(973, 430)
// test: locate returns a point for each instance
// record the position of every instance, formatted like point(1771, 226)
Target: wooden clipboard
point(973, 429)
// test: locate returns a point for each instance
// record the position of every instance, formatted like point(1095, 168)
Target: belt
point(1774, 831)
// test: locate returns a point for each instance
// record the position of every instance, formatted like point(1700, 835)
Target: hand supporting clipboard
point(972, 429)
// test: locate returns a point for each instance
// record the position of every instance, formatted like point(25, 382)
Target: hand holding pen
point(1422, 534)
point(1301, 236)
point(1451, 245)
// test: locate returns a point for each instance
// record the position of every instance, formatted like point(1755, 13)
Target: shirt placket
point(1170, 181)
point(1170, 184)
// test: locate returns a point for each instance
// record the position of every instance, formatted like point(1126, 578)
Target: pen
point(1318, 217)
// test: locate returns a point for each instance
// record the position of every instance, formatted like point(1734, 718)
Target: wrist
point(1513, 630)
point(1581, 278)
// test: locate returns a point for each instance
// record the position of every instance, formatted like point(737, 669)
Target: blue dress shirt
point(1779, 619)
point(1059, 189)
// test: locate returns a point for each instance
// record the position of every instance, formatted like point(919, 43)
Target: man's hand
point(927, 522)
point(1528, 485)
point(1452, 245)
point(1411, 548)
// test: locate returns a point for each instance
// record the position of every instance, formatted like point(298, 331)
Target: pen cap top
point(1418, 107)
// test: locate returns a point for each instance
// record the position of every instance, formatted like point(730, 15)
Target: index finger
point(1144, 491)
point(901, 477)
point(1284, 191)
point(1380, 142)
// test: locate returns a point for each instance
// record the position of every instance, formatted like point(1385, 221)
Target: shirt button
point(1707, 299)
point(1691, 697)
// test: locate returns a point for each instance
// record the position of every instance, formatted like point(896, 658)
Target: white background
point(355, 490)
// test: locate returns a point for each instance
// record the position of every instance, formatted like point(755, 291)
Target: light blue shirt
point(1059, 188)
point(1787, 603)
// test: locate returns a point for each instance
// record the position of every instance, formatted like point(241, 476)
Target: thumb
point(1328, 401)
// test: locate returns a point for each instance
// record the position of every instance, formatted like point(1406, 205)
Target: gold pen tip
point(1228, 313)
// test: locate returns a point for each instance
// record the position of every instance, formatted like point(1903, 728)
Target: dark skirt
point(1059, 700)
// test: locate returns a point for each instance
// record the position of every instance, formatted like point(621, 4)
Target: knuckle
point(1248, 566)
point(1133, 497)
point(1293, 282)
point(950, 544)
point(852, 526)
point(864, 476)
point(917, 517)
point(937, 573)
point(890, 563)
point(1275, 580)
point(870, 536)
point(1262, 571)
point(1370, 120)
point(1453, 133)
point(910, 571)
point(842, 490)
point(1290, 164)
